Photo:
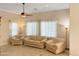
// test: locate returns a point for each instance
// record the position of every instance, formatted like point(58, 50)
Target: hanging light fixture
point(23, 14)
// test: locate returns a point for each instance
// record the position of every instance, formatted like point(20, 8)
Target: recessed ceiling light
point(46, 5)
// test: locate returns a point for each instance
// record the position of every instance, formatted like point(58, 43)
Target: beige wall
point(63, 18)
point(21, 24)
point(4, 27)
point(74, 29)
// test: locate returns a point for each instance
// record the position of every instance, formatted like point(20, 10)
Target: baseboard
point(3, 43)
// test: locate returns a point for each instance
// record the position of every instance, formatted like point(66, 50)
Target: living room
point(46, 21)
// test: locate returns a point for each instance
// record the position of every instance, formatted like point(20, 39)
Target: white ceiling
point(29, 7)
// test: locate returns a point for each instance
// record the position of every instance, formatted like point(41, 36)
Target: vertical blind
point(31, 28)
point(48, 28)
point(14, 29)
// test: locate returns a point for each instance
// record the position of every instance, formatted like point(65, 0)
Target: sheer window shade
point(31, 28)
point(14, 29)
point(48, 28)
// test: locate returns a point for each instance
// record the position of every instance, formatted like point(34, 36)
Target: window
point(43, 28)
point(48, 28)
point(14, 29)
point(31, 28)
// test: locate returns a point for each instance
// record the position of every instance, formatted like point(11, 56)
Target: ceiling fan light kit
point(23, 15)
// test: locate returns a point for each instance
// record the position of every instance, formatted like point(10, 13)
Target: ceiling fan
point(23, 14)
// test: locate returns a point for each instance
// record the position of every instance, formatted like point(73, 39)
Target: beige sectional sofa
point(55, 45)
point(35, 41)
